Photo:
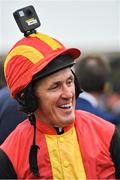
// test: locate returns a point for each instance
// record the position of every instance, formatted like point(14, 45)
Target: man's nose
point(67, 92)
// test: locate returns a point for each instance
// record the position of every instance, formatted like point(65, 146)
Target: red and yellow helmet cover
point(29, 56)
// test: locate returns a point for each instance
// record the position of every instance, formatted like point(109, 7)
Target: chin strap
point(78, 90)
point(34, 148)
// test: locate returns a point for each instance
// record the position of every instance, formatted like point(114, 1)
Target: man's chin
point(67, 122)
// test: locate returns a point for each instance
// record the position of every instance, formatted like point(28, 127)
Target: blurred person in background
point(93, 72)
point(113, 95)
point(10, 116)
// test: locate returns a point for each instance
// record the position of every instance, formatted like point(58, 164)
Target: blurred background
point(91, 25)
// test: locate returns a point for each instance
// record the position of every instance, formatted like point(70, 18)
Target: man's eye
point(54, 86)
point(70, 81)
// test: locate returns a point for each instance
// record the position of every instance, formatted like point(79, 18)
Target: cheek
point(47, 100)
point(73, 89)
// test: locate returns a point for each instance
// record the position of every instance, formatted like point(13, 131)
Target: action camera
point(27, 20)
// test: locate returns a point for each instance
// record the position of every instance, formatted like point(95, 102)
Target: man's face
point(56, 98)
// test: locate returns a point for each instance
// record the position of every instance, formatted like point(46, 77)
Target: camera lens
point(28, 12)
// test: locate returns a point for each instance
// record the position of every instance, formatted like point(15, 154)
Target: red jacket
point(93, 134)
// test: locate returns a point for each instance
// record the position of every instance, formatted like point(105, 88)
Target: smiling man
point(56, 141)
point(56, 98)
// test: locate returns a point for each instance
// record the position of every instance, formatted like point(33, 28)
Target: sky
point(91, 25)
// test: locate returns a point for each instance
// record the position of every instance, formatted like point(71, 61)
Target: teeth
point(66, 105)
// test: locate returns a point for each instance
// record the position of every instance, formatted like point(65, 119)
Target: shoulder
point(92, 123)
point(19, 134)
point(85, 116)
point(18, 138)
point(18, 143)
point(23, 128)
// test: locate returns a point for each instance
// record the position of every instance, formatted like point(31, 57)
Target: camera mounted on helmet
point(27, 20)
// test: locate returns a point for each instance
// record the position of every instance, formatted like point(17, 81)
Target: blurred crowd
point(113, 96)
point(98, 76)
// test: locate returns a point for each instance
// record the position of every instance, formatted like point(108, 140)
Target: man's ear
point(27, 99)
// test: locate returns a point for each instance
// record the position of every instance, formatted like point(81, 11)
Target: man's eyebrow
point(55, 82)
point(71, 76)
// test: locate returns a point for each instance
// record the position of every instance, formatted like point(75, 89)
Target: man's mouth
point(66, 106)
